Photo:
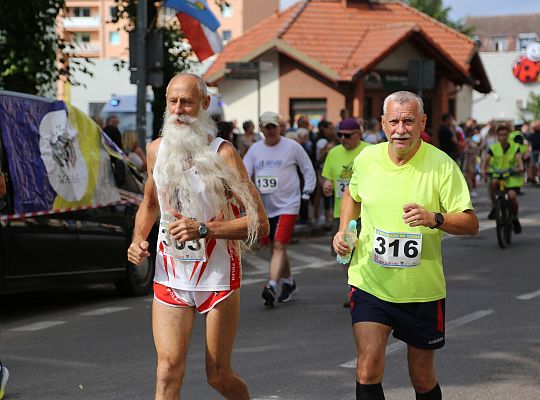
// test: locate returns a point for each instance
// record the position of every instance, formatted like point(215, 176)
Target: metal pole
point(258, 90)
point(141, 71)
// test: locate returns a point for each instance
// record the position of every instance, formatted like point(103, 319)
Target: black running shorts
point(419, 324)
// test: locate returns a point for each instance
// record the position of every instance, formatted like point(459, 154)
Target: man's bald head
point(189, 77)
point(186, 95)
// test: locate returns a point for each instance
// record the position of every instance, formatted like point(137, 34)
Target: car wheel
point(139, 279)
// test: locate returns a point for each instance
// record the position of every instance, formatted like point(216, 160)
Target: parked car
point(84, 235)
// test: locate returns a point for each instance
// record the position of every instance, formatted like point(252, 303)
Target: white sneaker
point(4, 375)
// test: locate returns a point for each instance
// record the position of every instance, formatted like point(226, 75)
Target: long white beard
point(185, 146)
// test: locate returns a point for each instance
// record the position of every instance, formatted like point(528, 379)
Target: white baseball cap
point(268, 118)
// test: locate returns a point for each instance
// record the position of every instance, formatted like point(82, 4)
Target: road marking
point(257, 262)
point(449, 326)
point(258, 349)
point(38, 326)
point(103, 311)
point(528, 296)
point(302, 257)
point(251, 281)
point(322, 247)
point(269, 398)
point(47, 361)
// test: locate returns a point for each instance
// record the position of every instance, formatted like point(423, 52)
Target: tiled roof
point(338, 41)
point(504, 25)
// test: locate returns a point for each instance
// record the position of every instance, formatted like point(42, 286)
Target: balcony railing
point(82, 22)
point(82, 48)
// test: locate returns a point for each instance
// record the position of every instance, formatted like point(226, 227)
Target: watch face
point(203, 230)
point(439, 219)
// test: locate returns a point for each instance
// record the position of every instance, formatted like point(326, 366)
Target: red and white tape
point(129, 199)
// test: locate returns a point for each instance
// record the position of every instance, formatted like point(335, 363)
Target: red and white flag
point(203, 40)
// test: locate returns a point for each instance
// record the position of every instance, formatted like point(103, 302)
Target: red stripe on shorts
point(440, 317)
point(167, 296)
point(214, 298)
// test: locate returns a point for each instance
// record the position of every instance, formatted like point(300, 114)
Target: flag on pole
point(199, 26)
point(204, 41)
point(197, 9)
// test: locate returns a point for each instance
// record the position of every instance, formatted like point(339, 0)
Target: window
point(226, 35)
point(524, 39)
point(500, 44)
point(81, 12)
point(81, 37)
point(112, 11)
point(114, 38)
point(313, 109)
point(227, 11)
point(477, 40)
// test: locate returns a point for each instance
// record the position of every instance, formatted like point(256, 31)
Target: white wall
point(239, 97)
point(507, 90)
point(99, 88)
point(464, 103)
point(398, 60)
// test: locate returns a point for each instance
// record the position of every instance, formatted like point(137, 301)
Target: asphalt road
point(91, 344)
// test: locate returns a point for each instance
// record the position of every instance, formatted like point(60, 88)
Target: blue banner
point(197, 9)
point(55, 155)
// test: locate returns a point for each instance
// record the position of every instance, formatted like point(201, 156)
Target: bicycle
point(503, 213)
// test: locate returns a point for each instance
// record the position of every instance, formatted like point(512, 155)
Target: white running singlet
point(222, 268)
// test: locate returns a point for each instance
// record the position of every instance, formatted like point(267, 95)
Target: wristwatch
point(203, 230)
point(439, 219)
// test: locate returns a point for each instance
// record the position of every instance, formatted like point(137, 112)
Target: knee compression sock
point(369, 392)
point(433, 394)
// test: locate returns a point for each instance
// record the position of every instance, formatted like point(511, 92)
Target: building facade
point(503, 42)
point(241, 15)
point(321, 56)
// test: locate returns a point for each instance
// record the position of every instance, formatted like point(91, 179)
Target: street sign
point(239, 70)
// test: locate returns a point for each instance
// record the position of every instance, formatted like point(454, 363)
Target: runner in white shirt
point(199, 185)
point(272, 164)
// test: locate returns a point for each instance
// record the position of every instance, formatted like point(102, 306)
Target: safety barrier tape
point(128, 198)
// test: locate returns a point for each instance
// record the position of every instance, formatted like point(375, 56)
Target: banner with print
point(56, 155)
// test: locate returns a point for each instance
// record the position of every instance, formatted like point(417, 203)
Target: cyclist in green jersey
point(505, 155)
point(408, 193)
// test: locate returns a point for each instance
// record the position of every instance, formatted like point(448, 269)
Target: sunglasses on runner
point(344, 135)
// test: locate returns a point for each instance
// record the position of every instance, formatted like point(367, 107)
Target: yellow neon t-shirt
point(430, 179)
point(338, 169)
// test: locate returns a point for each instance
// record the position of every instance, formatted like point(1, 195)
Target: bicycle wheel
point(509, 223)
point(500, 221)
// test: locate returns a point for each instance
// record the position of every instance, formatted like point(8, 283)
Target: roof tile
point(343, 39)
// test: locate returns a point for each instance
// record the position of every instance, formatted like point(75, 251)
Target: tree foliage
point(533, 105)
point(177, 54)
point(32, 55)
point(436, 9)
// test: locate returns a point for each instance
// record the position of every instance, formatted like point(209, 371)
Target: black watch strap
point(203, 230)
point(439, 219)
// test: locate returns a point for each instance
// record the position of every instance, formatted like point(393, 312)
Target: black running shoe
point(491, 214)
point(517, 226)
point(287, 292)
point(269, 296)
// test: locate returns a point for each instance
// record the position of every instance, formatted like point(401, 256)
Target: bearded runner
point(210, 212)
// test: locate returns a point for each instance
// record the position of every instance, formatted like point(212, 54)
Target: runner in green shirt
point(408, 193)
point(338, 166)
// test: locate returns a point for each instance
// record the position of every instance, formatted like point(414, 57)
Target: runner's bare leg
point(221, 325)
point(172, 327)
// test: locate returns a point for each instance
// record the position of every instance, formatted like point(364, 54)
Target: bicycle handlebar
point(503, 173)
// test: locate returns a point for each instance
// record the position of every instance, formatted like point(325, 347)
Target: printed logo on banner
point(61, 154)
